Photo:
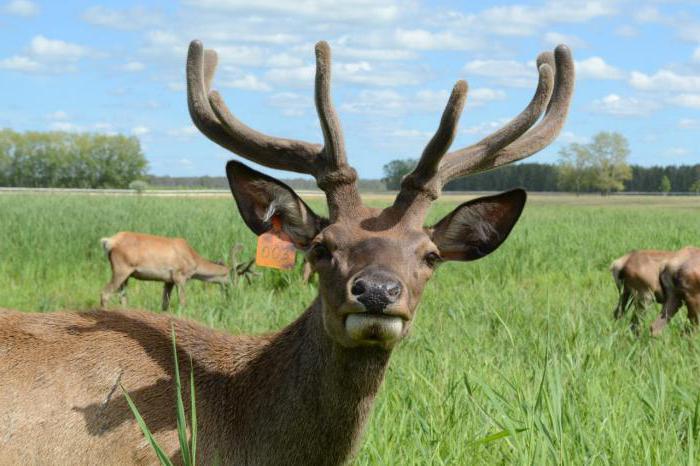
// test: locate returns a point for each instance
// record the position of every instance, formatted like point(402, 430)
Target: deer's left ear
point(260, 197)
point(478, 227)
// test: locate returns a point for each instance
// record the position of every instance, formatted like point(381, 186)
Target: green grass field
point(514, 359)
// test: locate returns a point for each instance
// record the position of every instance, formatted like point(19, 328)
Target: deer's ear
point(260, 197)
point(478, 227)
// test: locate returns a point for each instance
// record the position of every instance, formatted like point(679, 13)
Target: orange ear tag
point(275, 249)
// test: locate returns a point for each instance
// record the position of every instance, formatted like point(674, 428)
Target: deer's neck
point(302, 399)
point(208, 270)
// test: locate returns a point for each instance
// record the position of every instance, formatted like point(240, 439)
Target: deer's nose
point(376, 290)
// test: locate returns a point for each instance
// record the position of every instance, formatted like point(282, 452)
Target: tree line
point(599, 166)
point(69, 160)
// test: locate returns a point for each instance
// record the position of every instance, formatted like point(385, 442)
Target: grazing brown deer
point(680, 281)
point(158, 258)
point(301, 395)
point(636, 276)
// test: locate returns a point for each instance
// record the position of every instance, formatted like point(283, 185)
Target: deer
point(303, 394)
point(680, 281)
point(158, 258)
point(636, 276)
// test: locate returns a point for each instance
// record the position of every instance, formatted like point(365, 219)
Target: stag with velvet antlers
point(301, 395)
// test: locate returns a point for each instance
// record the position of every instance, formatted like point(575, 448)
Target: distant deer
point(157, 258)
point(636, 276)
point(301, 395)
point(680, 280)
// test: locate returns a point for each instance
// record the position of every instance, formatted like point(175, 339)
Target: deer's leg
point(623, 303)
point(167, 291)
point(122, 293)
point(693, 305)
point(671, 306)
point(639, 310)
point(181, 294)
point(118, 279)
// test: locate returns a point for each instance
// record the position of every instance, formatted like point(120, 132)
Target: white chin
point(373, 328)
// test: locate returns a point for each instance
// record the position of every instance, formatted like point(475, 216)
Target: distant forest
point(531, 176)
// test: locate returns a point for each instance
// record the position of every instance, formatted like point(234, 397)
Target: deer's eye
point(319, 252)
point(432, 259)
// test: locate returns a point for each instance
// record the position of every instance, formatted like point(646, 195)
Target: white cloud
point(686, 100)
point(362, 72)
point(665, 80)
point(596, 68)
point(555, 38)
point(176, 86)
point(689, 123)
point(284, 60)
point(505, 72)
point(521, 20)
point(241, 55)
point(58, 115)
point(64, 126)
point(20, 63)
point(21, 8)
point(481, 95)
point(626, 31)
point(421, 39)
point(569, 137)
point(247, 82)
point(140, 130)
point(127, 19)
point(615, 105)
point(106, 128)
point(391, 102)
point(373, 54)
point(483, 129)
point(411, 133)
point(132, 66)
point(373, 11)
point(696, 55)
point(56, 50)
point(290, 103)
point(184, 132)
point(676, 152)
point(647, 14)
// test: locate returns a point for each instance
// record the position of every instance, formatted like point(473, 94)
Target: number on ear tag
point(275, 249)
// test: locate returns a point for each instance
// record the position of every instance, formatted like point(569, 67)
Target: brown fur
point(249, 389)
point(156, 258)
point(636, 275)
point(680, 280)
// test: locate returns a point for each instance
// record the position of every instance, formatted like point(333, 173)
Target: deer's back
point(153, 257)
point(60, 389)
point(642, 268)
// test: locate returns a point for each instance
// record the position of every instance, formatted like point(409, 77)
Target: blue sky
point(118, 66)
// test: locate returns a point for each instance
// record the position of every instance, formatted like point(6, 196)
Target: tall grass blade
point(162, 457)
point(181, 421)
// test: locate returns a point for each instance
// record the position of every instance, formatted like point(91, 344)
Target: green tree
point(665, 185)
point(600, 165)
point(395, 170)
point(695, 187)
point(60, 159)
point(574, 170)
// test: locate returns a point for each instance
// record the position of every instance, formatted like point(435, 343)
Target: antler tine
point(514, 142)
point(210, 114)
point(424, 178)
point(334, 175)
point(333, 141)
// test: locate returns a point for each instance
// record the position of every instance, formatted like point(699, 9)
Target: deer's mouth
point(380, 329)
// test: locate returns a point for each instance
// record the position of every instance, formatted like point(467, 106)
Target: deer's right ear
point(260, 197)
